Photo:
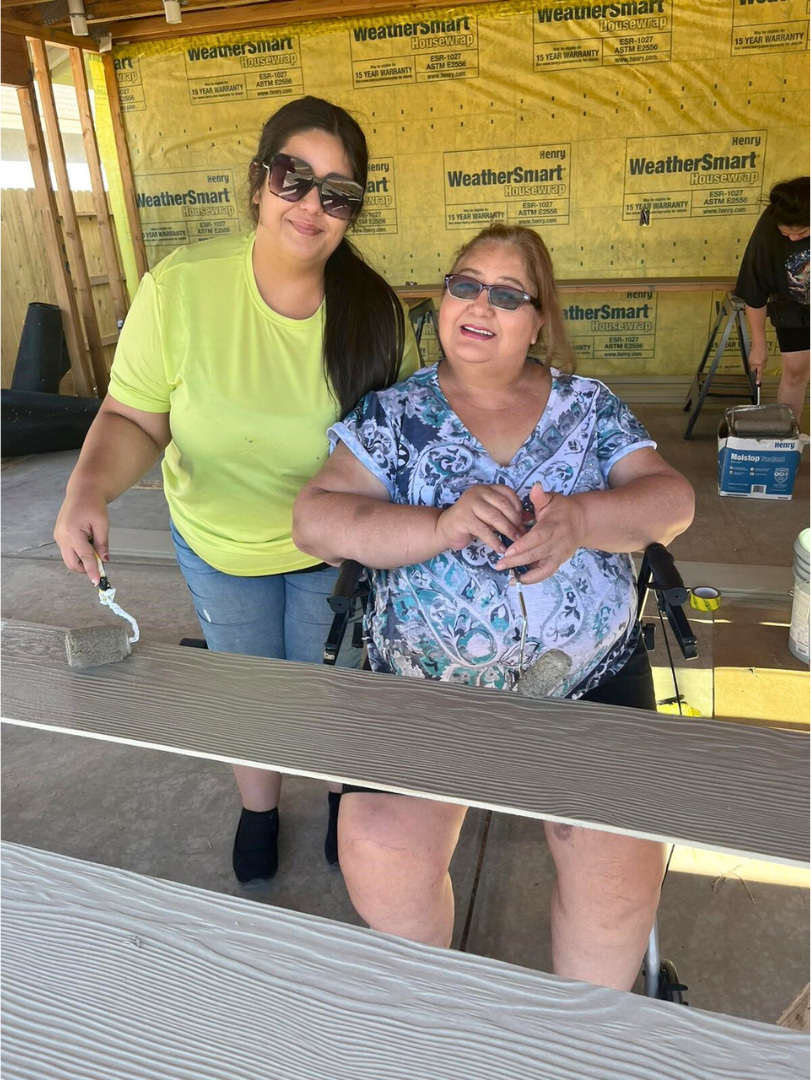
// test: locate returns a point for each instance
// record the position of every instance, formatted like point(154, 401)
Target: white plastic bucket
point(800, 631)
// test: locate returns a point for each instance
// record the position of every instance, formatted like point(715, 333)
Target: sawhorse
point(731, 313)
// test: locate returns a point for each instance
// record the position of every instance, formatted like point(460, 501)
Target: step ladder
point(731, 315)
point(420, 314)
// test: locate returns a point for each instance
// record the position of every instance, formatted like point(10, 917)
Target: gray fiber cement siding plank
point(728, 787)
point(108, 973)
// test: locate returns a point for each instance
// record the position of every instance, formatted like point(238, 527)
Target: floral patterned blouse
point(457, 617)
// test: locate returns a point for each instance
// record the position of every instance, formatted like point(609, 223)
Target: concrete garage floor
point(737, 929)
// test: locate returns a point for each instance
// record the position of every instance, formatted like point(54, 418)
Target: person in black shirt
point(773, 280)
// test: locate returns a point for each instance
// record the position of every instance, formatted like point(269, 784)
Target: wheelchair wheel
point(670, 989)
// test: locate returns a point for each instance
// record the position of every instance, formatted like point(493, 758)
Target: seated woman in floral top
point(491, 466)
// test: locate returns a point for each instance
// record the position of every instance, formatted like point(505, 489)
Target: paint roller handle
point(104, 581)
point(527, 520)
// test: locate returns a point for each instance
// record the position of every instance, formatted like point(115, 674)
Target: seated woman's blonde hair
point(553, 347)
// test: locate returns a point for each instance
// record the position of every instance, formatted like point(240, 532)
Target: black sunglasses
point(291, 178)
point(501, 296)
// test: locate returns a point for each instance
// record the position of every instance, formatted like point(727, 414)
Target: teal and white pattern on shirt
point(456, 617)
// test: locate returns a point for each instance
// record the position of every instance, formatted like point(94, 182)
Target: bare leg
point(395, 851)
point(794, 381)
point(259, 788)
point(603, 904)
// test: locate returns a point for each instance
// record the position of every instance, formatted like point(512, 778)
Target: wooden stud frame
point(52, 236)
point(127, 183)
point(115, 275)
point(70, 222)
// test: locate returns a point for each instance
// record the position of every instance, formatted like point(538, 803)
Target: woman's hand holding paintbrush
point(83, 538)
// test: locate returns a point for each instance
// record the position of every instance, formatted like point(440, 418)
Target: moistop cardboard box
point(757, 468)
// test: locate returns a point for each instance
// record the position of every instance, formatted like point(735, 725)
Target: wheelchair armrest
point(347, 587)
point(665, 575)
point(658, 572)
point(348, 590)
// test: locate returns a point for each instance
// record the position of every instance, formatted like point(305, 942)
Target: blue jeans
point(283, 616)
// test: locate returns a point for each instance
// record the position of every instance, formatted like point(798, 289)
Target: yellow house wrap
point(572, 118)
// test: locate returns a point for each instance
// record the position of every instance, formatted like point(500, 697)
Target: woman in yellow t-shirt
point(235, 358)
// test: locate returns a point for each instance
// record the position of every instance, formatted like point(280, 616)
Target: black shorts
point(792, 338)
point(631, 687)
point(790, 321)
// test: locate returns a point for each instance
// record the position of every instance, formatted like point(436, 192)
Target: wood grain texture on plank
point(727, 787)
point(32, 639)
point(107, 973)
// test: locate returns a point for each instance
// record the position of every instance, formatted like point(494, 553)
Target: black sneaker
point(256, 850)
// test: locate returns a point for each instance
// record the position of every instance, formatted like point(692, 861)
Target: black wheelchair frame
point(658, 574)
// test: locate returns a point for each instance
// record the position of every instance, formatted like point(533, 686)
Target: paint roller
point(548, 671)
point(761, 421)
point(93, 646)
point(545, 674)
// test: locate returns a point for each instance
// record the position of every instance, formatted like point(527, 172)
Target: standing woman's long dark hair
point(365, 324)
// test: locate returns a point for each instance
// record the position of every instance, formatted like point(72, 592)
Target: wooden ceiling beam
point(121, 10)
point(47, 33)
point(143, 20)
point(224, 19)
point(14, 63)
